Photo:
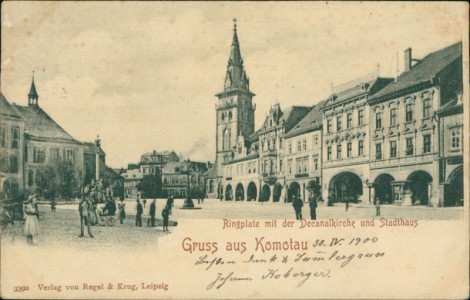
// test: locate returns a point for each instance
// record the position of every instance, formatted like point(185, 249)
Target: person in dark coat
point(138, 216)
point(165, 215)
point(122, 211)
point(313, 204)
point(152, 211)
point(297, 204)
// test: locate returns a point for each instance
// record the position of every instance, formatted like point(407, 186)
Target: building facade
point(11, 149)
point(405, 158)
point(346, 138)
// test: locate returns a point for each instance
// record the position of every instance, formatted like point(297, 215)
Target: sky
point(143, 75)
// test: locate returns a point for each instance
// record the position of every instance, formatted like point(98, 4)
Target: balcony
point(301, 175)
point(228, 178)
point(269, 177)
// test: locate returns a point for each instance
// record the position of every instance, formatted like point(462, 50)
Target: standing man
point(138, 216)
point(313, 206)
point(377, 207)
point(346, 199)
point(297, 204)
point(152, 211)
point(165, 215)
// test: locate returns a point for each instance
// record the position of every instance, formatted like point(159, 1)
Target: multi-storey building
point(302, 163)
point(346, 138)
point(132, 179)
point(46, 142)
point(451, 152)
point(179, 178)
point(404, 160)
point(11, 151)
point(153, 162)
point(277, 124)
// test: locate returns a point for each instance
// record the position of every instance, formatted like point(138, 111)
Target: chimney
point(408, 59)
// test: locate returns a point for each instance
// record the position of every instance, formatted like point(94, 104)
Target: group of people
point(298, 203)
point(151, 221)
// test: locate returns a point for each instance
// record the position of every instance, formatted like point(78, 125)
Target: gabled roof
point(428, 68)
point(40, 125)
point(312, 121)
point(6, 109)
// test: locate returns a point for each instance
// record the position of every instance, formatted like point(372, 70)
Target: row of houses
point(396, 139)
point(165, 175)
point(33, 148)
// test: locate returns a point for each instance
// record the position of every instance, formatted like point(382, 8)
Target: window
point(378, 120)
point(54, 153)
point(299, 165)
point(338, 151)
point(393, 149)
point(70, 155)
point(290, 148)
point(3, 136)
point(393, 117)
point(360, 117)
point(305, 164)
point(378, 151)
point(328, 126)
point(299, 146)
point(13, 164)
point(315, 140)
point(328, 153)
point(349, 120)
point(39, 155)
point(456, 137)
point(15, 137)
point(427, 107)
point(281, 165)
point(361, 148)
point(427, 143)
point(349, 149)
point(339, 123)
point(409, 146)
point(315, 163)
point(409, 113)
point(289, 166)
point(30, 178)
point(304, 144)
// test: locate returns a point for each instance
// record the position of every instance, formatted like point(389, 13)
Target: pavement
point(63, 226)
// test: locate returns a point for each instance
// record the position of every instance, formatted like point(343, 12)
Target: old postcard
point(234, 150)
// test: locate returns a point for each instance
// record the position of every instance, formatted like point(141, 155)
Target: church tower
point(235, 111)
point(33, 96)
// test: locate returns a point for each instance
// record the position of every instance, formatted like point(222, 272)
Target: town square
point(374, 144)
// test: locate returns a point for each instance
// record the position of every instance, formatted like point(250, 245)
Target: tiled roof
point(164, 153)
point(6, 108)
point(312, 121)
point(424, 71)
point(90, 148)
point(292, 115)
point(452, 107)
point(40, 125)
point(369, 87)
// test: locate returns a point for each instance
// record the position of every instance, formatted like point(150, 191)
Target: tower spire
point(33, 95)
point(236, 76)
